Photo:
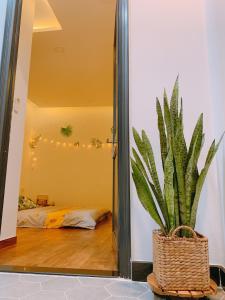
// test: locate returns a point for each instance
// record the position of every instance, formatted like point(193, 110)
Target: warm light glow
point(89, 146)
point(64, 144)
point(83, 146)
point(58, 143)
point(70, 144)
point(45, 18)
point(34, 158)
point(52, 141)
point(45, 140)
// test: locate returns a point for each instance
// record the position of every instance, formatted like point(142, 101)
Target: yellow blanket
point(55, 219)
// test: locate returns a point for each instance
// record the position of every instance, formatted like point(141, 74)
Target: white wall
point(69, 176)
point(215, 24)
point(3, 4)
point(8, 229)
point(169, 38)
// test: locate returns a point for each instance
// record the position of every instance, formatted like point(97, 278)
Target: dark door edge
point(124, 258)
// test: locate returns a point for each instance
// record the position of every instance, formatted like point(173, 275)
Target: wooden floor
point(62, 248)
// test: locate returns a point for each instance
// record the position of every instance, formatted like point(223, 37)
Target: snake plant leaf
point(191, 175)
point(211, 153)
point(179, 156)
point(198, 127)
point(174, 104)
point(139, 163)
point(154, 176)
point(168, 187)
point(141, 147)
point(176, 202)
point(145, 196)
point(167, 118)
point(162, 132)
point(142, 169)
point(180, 118)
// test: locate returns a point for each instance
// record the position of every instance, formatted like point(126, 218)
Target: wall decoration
point(66, 131)
point(95, 142)
point(34, 141)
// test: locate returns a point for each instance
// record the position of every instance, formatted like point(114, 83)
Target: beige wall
point(80, 177)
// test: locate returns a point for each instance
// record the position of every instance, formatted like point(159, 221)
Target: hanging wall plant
point(67, 131)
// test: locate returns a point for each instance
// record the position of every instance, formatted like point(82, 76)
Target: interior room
point(65, 203)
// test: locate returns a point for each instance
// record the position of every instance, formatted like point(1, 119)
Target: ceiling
point(74, 66)
point(45, 19)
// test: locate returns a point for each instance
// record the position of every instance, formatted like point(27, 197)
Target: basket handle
point(186, 228)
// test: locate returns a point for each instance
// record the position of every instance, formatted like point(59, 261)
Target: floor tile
point(9, 298)
point(60, 283)
point(47, 295)
point(35, 278)
point(148, 296)
point(88, 293)
point(121, 298)
point(20, 289)
point(7, 279)
point(127, 289)
point(93, 281)
point(219, 296)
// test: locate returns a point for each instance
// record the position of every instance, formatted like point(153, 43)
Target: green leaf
point(167, 118)
point(145, 196)
point(154, 176)
point(191, 175)
point(197, 128)
point(162, 132)
point(180, 156)
point(168, 187)
point(176, 202)
point(139, 163)
point(211, 153)
point(174, 105)
point(141, 147)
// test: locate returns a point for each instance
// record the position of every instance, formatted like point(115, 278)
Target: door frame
point(7, 83)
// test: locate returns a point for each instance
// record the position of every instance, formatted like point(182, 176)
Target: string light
point(74, 145)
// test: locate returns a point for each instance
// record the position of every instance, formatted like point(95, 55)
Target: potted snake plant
point(180, 255)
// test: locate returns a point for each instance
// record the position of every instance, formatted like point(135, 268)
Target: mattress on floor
point(57, 217)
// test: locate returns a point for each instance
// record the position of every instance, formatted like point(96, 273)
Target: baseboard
point(8, 242)
point(140, 271)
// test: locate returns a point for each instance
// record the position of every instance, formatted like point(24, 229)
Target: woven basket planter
point(181, 263)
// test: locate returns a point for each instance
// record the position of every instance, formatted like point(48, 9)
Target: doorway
point(120, 140)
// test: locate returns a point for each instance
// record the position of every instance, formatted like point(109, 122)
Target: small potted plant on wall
point(180, 254)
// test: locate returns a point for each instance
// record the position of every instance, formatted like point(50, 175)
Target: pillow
point(26, 203)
